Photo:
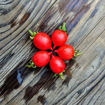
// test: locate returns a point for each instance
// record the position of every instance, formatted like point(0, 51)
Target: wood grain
point(86, 32)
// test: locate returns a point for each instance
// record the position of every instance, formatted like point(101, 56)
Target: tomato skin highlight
point(41, 58)
point(57, 65)
point(42, 41)
point(59, 37)
point(66, 52)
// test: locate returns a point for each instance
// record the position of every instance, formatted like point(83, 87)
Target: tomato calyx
point(60, 75)
point(63, 27)
point(76, 54)
point(31, 64)
point(32, 34)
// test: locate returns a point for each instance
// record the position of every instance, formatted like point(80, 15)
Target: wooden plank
point(90, 75)
point(17, 34)
point(21, 16)
point(85, 79)
point(78, 16)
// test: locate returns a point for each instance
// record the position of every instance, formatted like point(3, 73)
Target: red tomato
point(41, 58)
point(42, 41)
point(66, 52)
point(57, 65)
point(59, 37)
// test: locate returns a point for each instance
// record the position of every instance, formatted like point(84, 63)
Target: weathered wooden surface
point(86, 31)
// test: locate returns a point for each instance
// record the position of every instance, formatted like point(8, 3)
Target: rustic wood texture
point(85, 22)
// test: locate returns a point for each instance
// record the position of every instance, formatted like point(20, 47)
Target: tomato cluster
point(43, 42)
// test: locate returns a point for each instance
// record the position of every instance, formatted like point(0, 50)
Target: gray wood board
point(86, 32)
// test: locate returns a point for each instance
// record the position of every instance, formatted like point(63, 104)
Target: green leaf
point(31, 37)
point(60, 27)
point(64, 27)
point(55, 75)
point(61, 75)
point(34, 33)
point(31, 64)
point(77, 53)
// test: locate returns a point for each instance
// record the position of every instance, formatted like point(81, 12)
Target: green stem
point(61, 76)
point(31, 37)
point(32, 34)
point(77, 53)
point(63, 27)
point(31, 65)
point(55, 75)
